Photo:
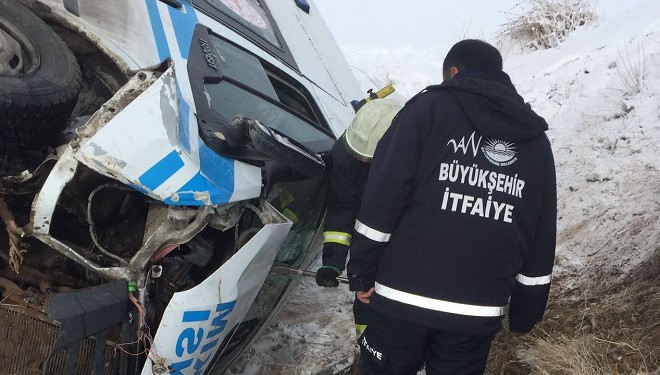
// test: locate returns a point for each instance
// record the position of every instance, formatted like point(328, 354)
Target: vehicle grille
point(25, 341)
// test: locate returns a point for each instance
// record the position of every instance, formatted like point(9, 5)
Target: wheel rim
point(18, 55)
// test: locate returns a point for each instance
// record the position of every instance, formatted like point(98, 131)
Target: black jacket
point(347, 180)
point(459, 211)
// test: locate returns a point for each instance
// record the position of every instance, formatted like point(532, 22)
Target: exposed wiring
point(163, 252)
point(143, 334)
point(119, 346)
point(365, 73)
point(92, 227)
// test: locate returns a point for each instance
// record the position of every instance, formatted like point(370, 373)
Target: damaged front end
point(129, 253)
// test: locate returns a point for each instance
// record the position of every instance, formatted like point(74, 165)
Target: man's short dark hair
point(472, 53)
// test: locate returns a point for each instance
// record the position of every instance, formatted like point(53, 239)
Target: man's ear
point(453, 71)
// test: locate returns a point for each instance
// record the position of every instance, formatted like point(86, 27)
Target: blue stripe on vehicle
point(158, 30)
point(217, 173)
point(218, 169)
point(196, 316)
point(161, 171)
point(185, 196)
point(199, 191)
point(214, 184)
point(184, 27)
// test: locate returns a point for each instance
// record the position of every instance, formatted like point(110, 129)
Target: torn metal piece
point(124, 96)
point(28, 182)
point(226, 216)
point(165, 226)
point(45, 202)
point(220, 303)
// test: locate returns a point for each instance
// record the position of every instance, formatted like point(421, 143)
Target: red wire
point(146, 336)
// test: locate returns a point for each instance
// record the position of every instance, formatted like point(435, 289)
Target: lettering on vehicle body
point(196, 347)
point(208, 54)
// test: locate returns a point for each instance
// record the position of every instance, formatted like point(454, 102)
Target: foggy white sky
point(413, 22)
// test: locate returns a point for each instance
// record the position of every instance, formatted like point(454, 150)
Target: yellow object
point(359, 330)
point(385, 91)
point(337, 237)
point(289, 214)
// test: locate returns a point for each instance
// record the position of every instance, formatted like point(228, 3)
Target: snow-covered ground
point(599, 91)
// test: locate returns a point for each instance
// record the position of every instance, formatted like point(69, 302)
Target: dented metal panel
point(119, 30)
point(45, 202)
point(140, 146)
point(141, 34)
point(174, 191)
point(197, 320)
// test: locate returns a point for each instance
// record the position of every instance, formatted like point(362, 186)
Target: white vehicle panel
point(46, 201)
point(197, 320)
point(127, 31)
point(306, 32)
point(121, 29)
point(140, 147)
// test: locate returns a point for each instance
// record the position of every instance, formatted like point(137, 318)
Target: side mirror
point(276, 146)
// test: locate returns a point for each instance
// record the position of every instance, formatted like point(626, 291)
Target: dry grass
point(565, 355)
point(542, 24)
point(615, 332)
point(632, 69)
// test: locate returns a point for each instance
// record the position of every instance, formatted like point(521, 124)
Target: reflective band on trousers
point(371, 233)
point(337, 237)
point(359, 330)
point(526, 280)
point(438, 304)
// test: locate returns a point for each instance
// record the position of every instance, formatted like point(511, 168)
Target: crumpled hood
point(492, 105)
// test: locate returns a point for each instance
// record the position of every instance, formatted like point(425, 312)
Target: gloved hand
point(362, 282)
point(326, 276)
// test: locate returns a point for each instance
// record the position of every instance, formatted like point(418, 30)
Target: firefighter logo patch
point(500, 153)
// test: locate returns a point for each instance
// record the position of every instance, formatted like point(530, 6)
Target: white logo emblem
point(499, 153)
point(465, 145)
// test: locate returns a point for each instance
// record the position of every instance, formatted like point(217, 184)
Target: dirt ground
point(588, 330)
point(615, 331)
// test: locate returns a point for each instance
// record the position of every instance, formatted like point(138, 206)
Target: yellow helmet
point(368, 127)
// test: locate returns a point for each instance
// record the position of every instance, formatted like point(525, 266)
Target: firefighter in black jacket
point(351, 156)
point(458, 215)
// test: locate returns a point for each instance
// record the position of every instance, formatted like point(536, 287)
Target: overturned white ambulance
point(158, 158)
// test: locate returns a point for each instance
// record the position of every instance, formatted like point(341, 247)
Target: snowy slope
point(604, 133)
point(604, 128)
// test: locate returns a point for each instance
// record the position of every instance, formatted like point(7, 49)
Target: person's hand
point(326, 276)
point(364, 296)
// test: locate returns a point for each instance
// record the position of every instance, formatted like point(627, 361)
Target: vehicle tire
point(39, 78)
point(283, 149)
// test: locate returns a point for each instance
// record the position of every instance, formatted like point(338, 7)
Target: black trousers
point(394, 346)
point(360, 317)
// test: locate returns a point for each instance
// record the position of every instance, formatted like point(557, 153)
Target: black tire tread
point(35, 123)
point(34, 120)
